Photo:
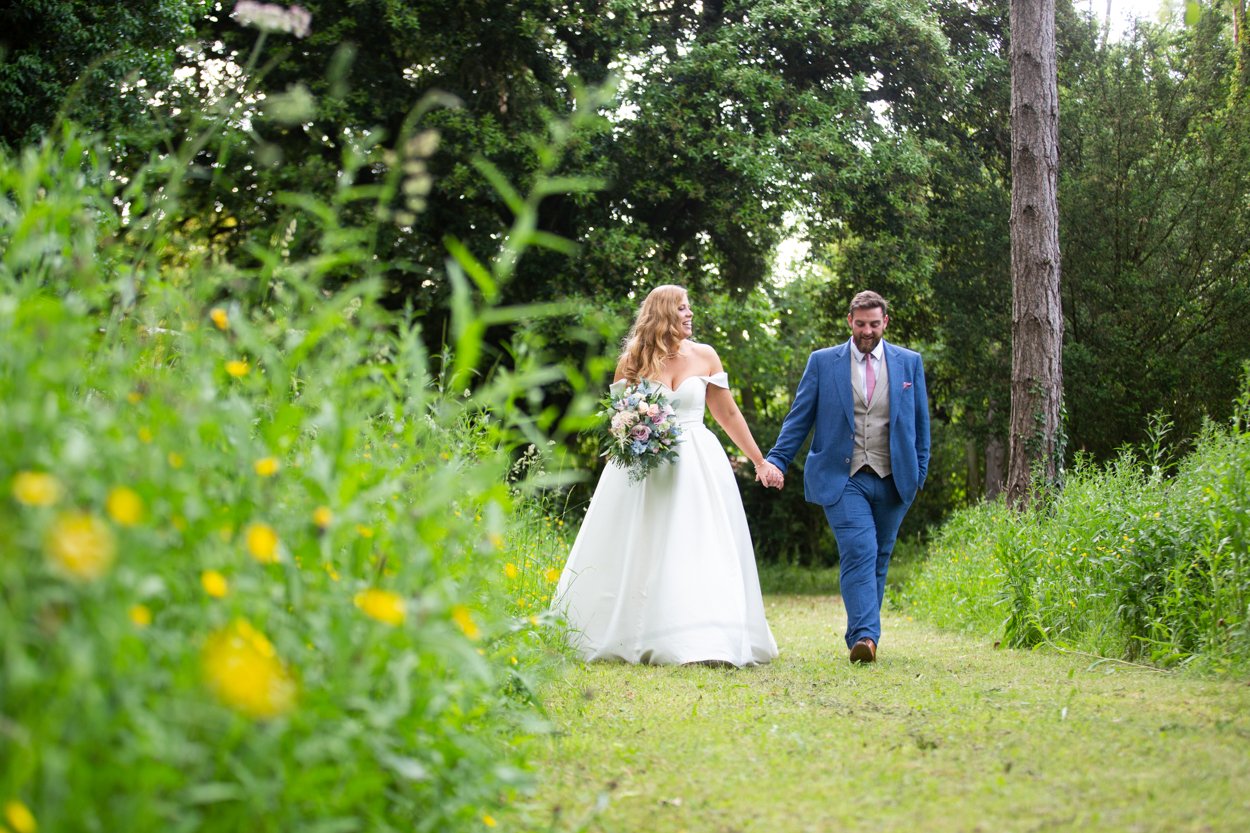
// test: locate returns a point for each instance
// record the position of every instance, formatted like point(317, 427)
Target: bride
point(663, 571)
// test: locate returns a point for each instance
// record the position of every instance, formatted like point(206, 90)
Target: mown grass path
point(945, 733)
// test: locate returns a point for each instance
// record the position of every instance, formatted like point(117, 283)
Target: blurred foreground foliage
point(263, 561)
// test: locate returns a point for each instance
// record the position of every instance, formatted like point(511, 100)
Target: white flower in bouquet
point(638, 431)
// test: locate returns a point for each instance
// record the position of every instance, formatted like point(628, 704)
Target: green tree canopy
point(97, 61)
point(1156, 234)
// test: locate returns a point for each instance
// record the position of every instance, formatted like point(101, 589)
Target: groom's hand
point(770, 475)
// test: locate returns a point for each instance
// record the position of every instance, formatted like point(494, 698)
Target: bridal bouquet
point(638, 431)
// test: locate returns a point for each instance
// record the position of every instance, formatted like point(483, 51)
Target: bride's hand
point(769, 475)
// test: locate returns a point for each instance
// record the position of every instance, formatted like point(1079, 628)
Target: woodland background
point(304, 316)
point(871, 133)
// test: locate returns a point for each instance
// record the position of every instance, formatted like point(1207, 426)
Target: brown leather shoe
point(864, 651)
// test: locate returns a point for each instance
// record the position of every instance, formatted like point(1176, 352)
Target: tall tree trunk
point(972, 470)
point(995, 455)
point(1036, 313)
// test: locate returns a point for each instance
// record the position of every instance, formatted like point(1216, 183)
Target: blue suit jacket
point(825, 399)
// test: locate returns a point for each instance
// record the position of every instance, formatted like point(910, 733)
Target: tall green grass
point(1134, 559)
point(253, 539)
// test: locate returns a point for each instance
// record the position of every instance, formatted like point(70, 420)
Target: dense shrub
point(1128, 560)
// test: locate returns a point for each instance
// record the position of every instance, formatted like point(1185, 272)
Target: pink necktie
point(870, 378)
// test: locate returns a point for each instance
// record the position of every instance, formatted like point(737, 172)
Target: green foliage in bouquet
point(637, 429)
point(253, 538)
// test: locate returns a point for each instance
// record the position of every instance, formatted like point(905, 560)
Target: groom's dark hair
point(869, 300)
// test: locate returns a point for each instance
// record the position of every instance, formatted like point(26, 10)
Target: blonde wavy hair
point(656, 334)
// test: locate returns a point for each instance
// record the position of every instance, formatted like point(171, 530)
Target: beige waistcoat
point(872, 424)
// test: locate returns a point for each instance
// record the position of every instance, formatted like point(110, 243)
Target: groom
point(868, 459)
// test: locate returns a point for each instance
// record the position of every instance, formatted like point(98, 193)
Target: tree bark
point(995, 455)
point(1036, 314)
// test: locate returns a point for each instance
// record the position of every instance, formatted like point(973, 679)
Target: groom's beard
point(866, 344)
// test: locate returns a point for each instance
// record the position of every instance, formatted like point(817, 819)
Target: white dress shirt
point(857, 367)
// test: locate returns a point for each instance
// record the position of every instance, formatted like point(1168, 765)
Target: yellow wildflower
point(496, 540)
point(242, 668)
point(463, 617)
point(266, 466)
point(140, 615)
point(383, 605)
point(19, 817)
point(364, 531)
point(81, 545)
point(237, 368)
point(220, 319)
point(134, 397)
point(37, 488)
point(262, 542)
point(552, 574)
point(145, 435)
point(488, 820)
point(214, 583)
point(323, 517)
point(175, 460)
point(510, 570)
point(124, 506)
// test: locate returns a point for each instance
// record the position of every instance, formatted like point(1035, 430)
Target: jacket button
point(847, 460)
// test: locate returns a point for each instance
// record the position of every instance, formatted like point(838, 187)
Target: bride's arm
point(720, 402)
point(725, 411)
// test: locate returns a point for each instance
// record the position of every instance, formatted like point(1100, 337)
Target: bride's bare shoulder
point(705, 355)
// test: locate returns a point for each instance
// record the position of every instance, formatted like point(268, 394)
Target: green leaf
point(501, 185)
point(473, 268)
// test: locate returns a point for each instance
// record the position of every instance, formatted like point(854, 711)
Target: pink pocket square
point(906, 385)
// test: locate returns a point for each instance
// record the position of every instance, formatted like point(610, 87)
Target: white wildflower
point(270, 17)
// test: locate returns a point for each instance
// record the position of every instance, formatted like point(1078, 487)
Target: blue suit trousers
point(865, 522)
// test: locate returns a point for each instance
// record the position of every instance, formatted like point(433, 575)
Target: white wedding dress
point(663, 571)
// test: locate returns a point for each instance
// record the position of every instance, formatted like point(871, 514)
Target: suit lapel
point(894, 378)
point(842, 382)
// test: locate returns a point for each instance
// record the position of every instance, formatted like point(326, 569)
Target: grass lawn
point(944, 733)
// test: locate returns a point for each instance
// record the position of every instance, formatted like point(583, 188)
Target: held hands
point(769, 475)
